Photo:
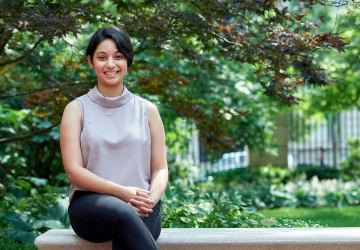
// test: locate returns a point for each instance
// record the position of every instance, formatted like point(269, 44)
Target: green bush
point(322, 173)
point(179, 170)
point(7, 242)
point(187, 206)
point(290, 223)
point(29, 207)
point(270, 187)
point(187, 209)
point(351, 166)
point(191, 208)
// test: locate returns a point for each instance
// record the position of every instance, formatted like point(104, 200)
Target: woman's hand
point(142, 202)
point(139, 199)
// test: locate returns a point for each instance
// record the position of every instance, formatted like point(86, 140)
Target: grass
point(330, 216)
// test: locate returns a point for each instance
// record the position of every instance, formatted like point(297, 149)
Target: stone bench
point(222, 238)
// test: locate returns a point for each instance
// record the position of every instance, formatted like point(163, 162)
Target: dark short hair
point(119, 36)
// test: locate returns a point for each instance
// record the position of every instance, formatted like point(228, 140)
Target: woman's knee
point(126, 214)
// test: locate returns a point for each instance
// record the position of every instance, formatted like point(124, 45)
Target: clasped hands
point(142, 202)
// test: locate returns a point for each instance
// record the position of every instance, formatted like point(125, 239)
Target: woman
point(113, 151)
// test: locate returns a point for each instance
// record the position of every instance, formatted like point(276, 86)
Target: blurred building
point(302, 141)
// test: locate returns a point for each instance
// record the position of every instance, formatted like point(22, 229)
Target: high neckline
point(109, 102)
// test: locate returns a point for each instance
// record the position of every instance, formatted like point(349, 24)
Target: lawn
point(330, 216)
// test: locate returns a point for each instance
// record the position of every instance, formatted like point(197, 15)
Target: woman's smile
point(110, 66)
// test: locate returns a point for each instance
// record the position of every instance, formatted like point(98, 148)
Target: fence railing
point(227, 161)
point(308, 137)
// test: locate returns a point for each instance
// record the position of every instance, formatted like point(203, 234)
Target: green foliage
point(290, 223)
point(351, 166)
point(187, 206)
point(179, 170)
point(271, 187)
point(188, 209)
point(29, 206)
point(213, 73)
point(39, 155)
point(7, 242)
point(344, 94)
point(347, 216)
point(274, 175)
point(322, 173)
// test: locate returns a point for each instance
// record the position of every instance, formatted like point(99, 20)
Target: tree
point(327, 103)
point(188, 54)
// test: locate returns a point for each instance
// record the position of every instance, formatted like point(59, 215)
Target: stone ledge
point(222, 238)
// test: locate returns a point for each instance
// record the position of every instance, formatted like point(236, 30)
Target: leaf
point(20, 235)
point(248, 210)
point(24, 184)
point(233, 207)
point(258, 214)
point(185, 219)
point(251, 222)
point(187, 192)
point(168, 191)
point(48, 224)
point(39, 181)
point(19, 221)
point(122, 5)
point(58, 211)
point(174, 224)
point(267, 222)
point(220, 215)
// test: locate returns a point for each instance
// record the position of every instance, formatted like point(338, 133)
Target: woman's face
point(109, 64)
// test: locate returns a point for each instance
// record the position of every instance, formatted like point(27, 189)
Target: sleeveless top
point(115, 138)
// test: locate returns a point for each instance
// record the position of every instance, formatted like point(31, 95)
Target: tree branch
point(4, 38)
point(41, 89)
point(23, 56)
point(22, 93)
point(17, 138)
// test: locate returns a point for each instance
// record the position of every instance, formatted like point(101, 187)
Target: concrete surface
point(222, 238)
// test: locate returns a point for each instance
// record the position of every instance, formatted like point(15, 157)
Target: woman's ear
point(90, 62)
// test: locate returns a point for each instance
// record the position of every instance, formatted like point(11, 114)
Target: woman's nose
point(110, 63)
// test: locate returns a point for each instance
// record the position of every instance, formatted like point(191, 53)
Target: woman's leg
point(153, 221)
point(99, 218)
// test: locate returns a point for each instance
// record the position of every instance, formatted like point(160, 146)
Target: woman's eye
point(119, 57)
point(101, 57)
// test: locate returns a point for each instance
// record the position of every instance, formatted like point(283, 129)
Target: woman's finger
point(144, 200)
point(144, 214)
point(141, 205)
point(142, 193)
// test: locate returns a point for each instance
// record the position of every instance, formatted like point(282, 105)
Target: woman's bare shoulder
point(151, 106)
point(72, 110)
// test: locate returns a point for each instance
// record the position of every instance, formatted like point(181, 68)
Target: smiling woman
point(110, 66)
point(114, 154)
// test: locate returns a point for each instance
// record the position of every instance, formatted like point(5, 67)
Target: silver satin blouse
point(115, 138)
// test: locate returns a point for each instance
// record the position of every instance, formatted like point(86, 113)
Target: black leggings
point(99, 218)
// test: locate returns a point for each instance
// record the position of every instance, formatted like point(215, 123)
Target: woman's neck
point(111, 91)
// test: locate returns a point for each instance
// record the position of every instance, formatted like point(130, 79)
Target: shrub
point(191, 208)
point(179, 170)
point(322, 173)
point(8, 243)
point(351, 166)
point(29, 207)
point(290, 223)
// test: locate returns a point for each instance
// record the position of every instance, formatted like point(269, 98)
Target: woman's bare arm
point(70, 130)
point(159, 168)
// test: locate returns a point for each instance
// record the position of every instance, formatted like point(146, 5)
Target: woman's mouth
point(111, 72)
